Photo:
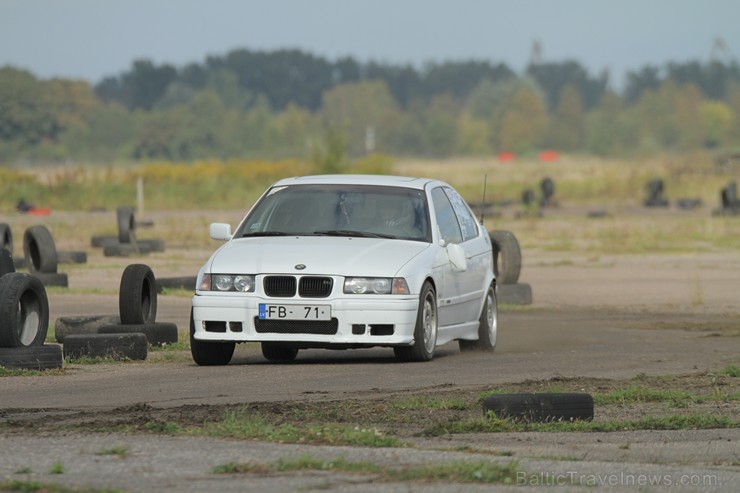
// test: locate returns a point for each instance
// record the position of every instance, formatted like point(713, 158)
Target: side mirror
point(457, 257)
point(220, 231)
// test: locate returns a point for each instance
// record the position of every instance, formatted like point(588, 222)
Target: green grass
point(27, 486)
point(117, 450)
point(731, 371)
point(454, 472)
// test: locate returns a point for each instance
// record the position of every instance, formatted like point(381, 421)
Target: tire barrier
point(547, 187)
point(540, 407)
point(654, 194)
point(24, 311)
point(120, 346)
point(126, 225)
point(39, 250)
point(24, 323)
point(46, 357)
point(7, 264)
point(65, 326)
point(507, 265)
point(126, 243)
point(58, 279)
point(6, 238)
point(729, 203)
point(137, 296)
point(157, 334)
point(71, 257)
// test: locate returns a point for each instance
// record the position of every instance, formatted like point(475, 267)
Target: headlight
point(375, 285)
point(227, 282)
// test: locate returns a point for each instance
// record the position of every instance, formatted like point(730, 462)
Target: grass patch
point(456, 471)
point(13, 485)
point(492, 424)
point(245, 424)
point(731, 371)
point(117, 450)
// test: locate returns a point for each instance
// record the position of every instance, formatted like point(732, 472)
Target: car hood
point(320, 255)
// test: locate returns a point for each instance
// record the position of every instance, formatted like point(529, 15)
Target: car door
point(450, 281)
point(477, 249)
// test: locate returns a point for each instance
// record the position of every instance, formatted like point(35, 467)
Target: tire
point(72, 257)
point(147, 246)
point(59, 280)
point(157, 334)
point(187, 282)
point(209, 353)
point(515, 294)
point(126, 225)
point(507, 257)
point(65, 326)
point(277, 352)
point(7, 264)
point(6, 238)
point(121, 250)
point(425, 332)
point(39, 250)
point(24, 311)
point(46, 357)
point(117, 346)
point(487, 327)
point(541, 407)
point(104, 240)
point(137, 296)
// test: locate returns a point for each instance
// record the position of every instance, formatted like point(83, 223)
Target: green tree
point(524, 122)
point(567, 126)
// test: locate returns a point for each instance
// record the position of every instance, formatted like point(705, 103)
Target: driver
point(397, 218)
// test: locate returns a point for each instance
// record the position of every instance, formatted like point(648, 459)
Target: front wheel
point(425, 332)
point(487, 327)
point(209, 353)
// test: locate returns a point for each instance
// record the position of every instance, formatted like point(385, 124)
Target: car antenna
point(483, 203)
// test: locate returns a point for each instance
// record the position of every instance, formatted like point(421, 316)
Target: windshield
point(340, 210)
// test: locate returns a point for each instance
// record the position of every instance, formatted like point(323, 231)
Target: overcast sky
point(90, 39)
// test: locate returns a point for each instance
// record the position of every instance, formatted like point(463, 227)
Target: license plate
point(294, 312)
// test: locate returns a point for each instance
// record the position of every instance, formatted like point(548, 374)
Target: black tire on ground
point(6, 262)
point(425, 332)
point(137, 296)
point(187, 282)
point(126, 225)
point(47, 357)
point(514, 294)
point(122, 250)
point(507, 257)
point(209, 353)
point(487, 328)
point(65, 326)
point(132, 346)
point(24, 311)
point(72, 257)
point(59, 280)
point(147, 246)
point(277, 352)
point(103, 240)
point(157, 334)
point(6, 237)
point(540, 407)
point(20, 263)
point(39, 250)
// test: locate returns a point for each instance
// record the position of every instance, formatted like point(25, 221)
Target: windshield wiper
point(349, 232)
point(264, 233)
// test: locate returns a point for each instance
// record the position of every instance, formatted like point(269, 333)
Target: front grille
point(315, 287)
point(307, 287)
point(315, 327)
point(280, 286)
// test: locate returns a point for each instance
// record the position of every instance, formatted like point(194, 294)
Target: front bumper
point(363, 320)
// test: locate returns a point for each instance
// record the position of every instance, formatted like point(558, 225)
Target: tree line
point(289, 103)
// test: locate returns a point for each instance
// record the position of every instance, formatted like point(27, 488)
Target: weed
point(731, 371)
point(56, 468)
point(118, 450)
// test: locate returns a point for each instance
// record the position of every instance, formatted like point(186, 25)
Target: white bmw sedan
point(348, 261)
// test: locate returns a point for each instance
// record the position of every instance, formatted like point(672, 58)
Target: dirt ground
point(670, 322)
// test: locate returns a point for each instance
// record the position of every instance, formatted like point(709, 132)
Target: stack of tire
point(126, 244)
point(24, 320)
point(41, 258)
point(507, 265)
point(126, 336)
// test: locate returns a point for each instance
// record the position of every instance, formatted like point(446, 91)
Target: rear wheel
point(278, 352)
point(425, 333)
point(209, 353)
point(487, 328)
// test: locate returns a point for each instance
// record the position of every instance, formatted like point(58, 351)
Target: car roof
point(377, 180)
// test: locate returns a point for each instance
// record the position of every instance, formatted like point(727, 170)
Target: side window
point(445, 215)
point(467, 220)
